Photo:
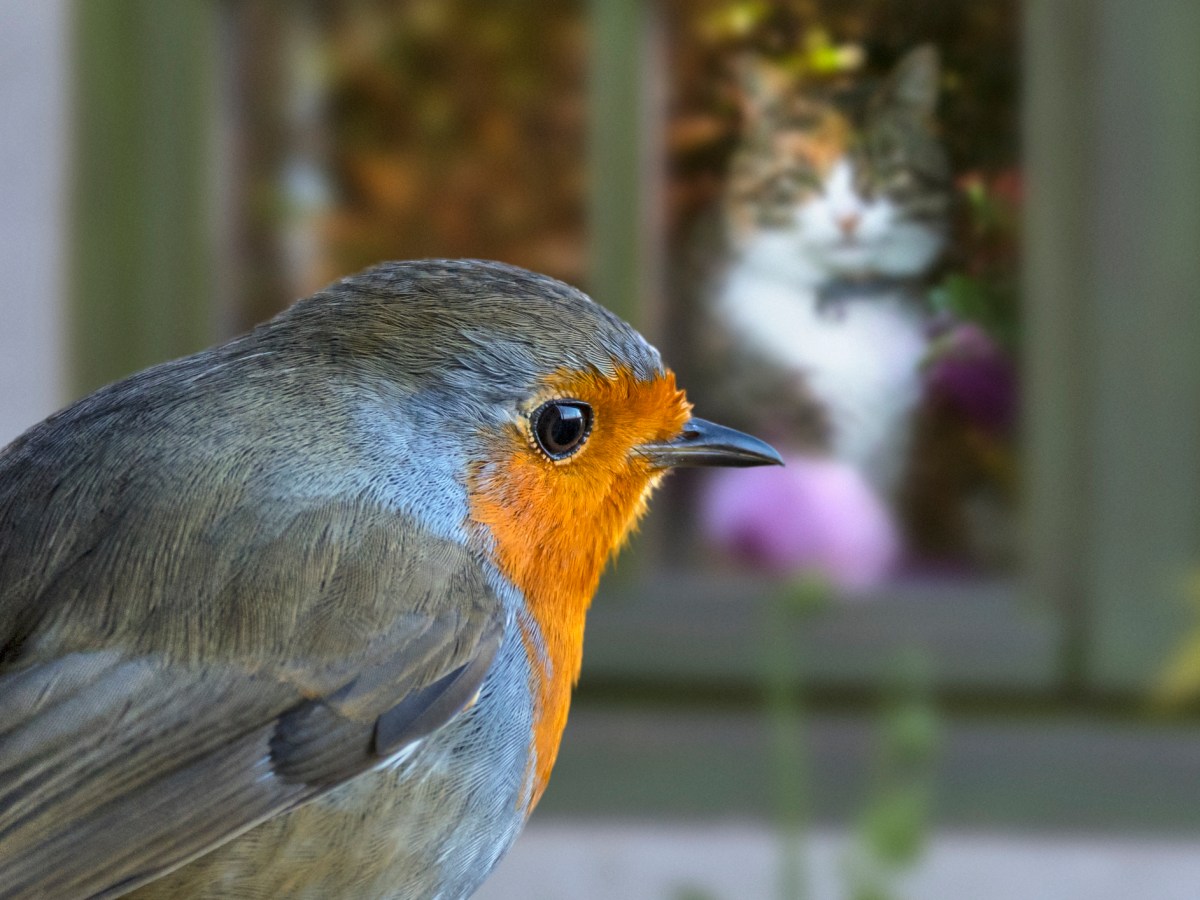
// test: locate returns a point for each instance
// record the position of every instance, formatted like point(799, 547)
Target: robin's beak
point(704, 443)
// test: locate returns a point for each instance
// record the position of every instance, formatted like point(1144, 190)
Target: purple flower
point(973, 374)
point(814, 516)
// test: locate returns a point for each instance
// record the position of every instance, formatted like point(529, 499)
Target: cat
point(831, 223)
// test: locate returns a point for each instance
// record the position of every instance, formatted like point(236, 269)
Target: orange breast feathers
point(554, 525)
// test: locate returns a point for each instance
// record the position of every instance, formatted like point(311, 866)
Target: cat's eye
point(809, 179)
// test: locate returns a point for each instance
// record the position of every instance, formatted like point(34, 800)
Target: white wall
point(33, 168)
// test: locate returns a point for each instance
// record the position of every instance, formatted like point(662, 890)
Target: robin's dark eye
point(561, 427)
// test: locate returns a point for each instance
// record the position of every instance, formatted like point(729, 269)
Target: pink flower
point(815, 516)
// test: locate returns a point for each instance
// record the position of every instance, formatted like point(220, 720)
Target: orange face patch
point(555, 524)
point(817, 147)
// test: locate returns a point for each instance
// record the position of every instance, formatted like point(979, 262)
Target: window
point(748, 115)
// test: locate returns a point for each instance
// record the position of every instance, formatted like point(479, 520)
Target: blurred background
point(953, 649)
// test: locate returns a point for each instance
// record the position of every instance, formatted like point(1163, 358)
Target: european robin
point(300, 615)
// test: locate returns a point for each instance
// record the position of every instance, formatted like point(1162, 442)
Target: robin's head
point(565, 417)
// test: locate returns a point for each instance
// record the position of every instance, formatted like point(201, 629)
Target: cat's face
point(814, 195)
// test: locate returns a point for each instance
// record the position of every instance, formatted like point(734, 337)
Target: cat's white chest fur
point(860, 361)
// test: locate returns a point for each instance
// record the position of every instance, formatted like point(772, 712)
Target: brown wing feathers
point(119, 764)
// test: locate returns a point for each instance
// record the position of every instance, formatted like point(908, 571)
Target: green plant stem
point(790, 767)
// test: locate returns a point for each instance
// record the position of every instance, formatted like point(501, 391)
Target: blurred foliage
point(968, 298)
point(784, 703)
point(457, 128)
point(896, 818)
point(981, 285)
point(895, 825)
point(964, 479)
point(1179, 685)
point(372, 130)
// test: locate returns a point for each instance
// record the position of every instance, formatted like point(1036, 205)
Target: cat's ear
point(759, 85)
point(913, 83)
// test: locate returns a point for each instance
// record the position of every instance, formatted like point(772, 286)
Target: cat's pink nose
point(848, 223)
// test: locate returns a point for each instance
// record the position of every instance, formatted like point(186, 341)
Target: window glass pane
point(382, 131)
point(843, 198)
